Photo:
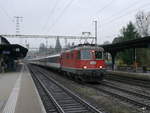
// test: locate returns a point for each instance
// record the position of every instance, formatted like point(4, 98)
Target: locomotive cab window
point(71, 55)
point(86, 54)
point(78, 55)
point(98, 55)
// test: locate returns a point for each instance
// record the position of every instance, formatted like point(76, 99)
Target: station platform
point(19, 94)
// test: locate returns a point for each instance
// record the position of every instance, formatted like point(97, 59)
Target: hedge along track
point(60, 99)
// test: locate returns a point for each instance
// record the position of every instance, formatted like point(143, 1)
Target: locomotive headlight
point(84, 67)
point(100, 67)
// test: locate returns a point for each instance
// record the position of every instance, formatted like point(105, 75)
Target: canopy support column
point(113, 55)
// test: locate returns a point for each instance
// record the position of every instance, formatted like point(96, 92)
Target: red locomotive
point(84, 62)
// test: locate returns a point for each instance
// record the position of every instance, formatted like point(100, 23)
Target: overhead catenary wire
point(107, 5)
point(6, 13)
point(103, 8)
point(136, 2)
point(146, 6)
point(61, 14)
point(51, 12)
point(125, 14)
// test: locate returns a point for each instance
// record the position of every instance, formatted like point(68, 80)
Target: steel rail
point(71, 94)
point(135, 82)
point(75, 96)
point(60, 110)
point(127, 99)
point(107, 84)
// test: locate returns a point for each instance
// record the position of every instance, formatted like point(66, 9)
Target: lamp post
point(95, 21)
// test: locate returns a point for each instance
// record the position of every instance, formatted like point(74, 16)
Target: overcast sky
point(69, 17)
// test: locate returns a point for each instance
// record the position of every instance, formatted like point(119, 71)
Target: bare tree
point(143, 26)
point(143, 23)
point(106, 42)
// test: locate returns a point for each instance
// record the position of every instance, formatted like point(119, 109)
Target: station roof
point(121, 46)
point(13, 50)
point(3, 40)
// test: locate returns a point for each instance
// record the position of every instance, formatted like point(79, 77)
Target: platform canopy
point(113, 49)
point(121, 46)
point(3, 40)
point(13, 51)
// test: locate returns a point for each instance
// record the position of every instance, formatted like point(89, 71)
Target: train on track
point(84, 62)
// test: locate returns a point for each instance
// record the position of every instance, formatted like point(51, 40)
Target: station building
point(9, 54)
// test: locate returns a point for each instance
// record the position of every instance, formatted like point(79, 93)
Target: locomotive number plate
point(92, 62)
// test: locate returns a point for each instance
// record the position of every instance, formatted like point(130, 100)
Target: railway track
point(128, 90)
point(58, 99)
point(131, 81)
point(139, 99)
point(132, 97)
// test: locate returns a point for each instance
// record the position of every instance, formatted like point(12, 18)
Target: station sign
point(17, 49)
point(5, 52)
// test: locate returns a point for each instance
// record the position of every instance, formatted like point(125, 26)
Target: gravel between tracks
point(137, 89)
point(100, 100)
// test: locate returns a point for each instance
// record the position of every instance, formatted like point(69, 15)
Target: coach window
point(49, 60)
point(57, 59)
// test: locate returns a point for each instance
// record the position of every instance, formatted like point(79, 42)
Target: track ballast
point(58, 99)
